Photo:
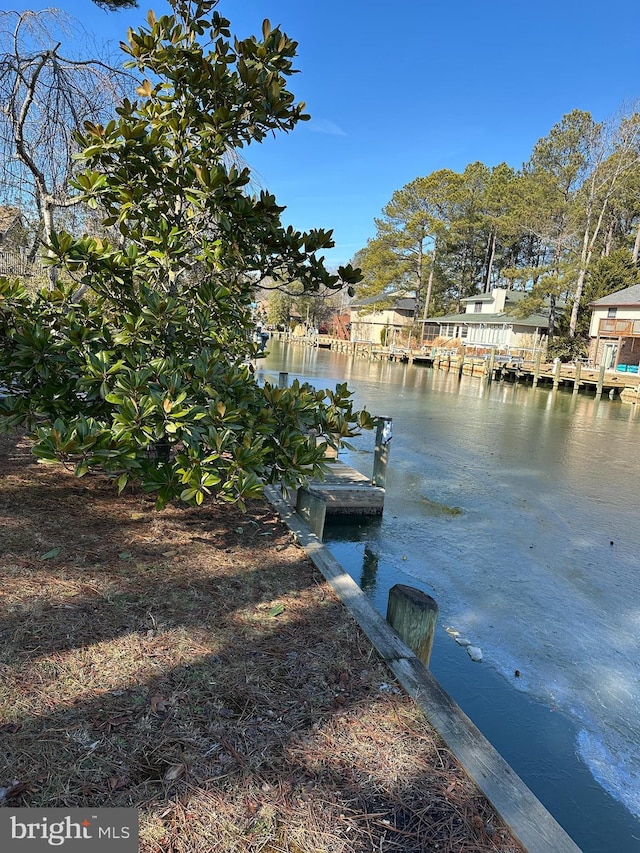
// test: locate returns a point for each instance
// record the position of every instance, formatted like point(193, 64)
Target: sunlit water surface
point(516, 509)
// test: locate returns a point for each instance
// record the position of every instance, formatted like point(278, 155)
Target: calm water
point(516, 509)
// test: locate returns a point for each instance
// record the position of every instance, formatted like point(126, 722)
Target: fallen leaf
point(169, 812)
point(50, 554)
point(159, 705)
point(114, 722)
point(174, 772)
point(116, 783)
point(276, 610)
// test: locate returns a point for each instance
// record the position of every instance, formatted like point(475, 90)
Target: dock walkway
point(348, 492)
point(577, 376)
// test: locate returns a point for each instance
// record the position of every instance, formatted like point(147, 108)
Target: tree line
point(565, 227)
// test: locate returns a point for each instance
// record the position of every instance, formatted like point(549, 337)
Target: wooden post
point(557, 367)
point(600, 384)
point(283, 379)
point(384, 434)
point(490, 365)
point(413, 615)
point(313, 509)
point(536, 368)
point(576, 377)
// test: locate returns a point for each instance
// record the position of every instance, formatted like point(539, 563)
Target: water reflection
point(365, 556)
point(545, 480)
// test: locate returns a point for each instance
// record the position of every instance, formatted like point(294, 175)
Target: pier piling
point(413, 615)
point(384, 434)
point(600, 384)
point(491, 364)
point(576, 378)
point(536, 369)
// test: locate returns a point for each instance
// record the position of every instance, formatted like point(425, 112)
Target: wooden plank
point(349, 501)
point(530, 822)
point(346, 490)
point(524, 814)
point(338, 472)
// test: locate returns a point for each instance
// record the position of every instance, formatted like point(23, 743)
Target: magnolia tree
point(138, 363)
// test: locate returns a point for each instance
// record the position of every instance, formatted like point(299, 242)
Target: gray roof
point(394, 299)
point(538, 321)
point(628, 296)
point(511, 296)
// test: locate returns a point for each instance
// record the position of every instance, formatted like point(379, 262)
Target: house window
point(611, 313)
point(477, 307)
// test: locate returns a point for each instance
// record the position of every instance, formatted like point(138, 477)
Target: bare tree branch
point(46, 97)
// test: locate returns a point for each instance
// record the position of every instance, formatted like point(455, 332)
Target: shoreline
point(430, 410)
point(525, 815)
point(194, 663)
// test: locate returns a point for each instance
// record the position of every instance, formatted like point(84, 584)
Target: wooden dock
point(343, 491)
point(348, 492)
point(579, 376)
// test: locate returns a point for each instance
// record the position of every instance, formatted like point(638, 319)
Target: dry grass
point(193, 664)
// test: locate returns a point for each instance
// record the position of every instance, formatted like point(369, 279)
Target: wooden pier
point(577, 376)
point(348, 492)
point(344, 490)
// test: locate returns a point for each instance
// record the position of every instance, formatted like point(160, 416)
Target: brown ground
point(193, 663)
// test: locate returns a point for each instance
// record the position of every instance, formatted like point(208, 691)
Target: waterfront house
point(614, 332)
point(489, 322)
point(382, 319)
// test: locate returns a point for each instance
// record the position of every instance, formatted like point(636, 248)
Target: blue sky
point(398, 90)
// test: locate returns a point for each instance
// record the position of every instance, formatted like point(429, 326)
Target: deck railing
point(619, 328)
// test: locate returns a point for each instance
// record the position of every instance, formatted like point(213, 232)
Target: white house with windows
point(614, 332)
point(488, 322)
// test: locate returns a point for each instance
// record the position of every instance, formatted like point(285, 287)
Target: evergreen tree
point(140, 367)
